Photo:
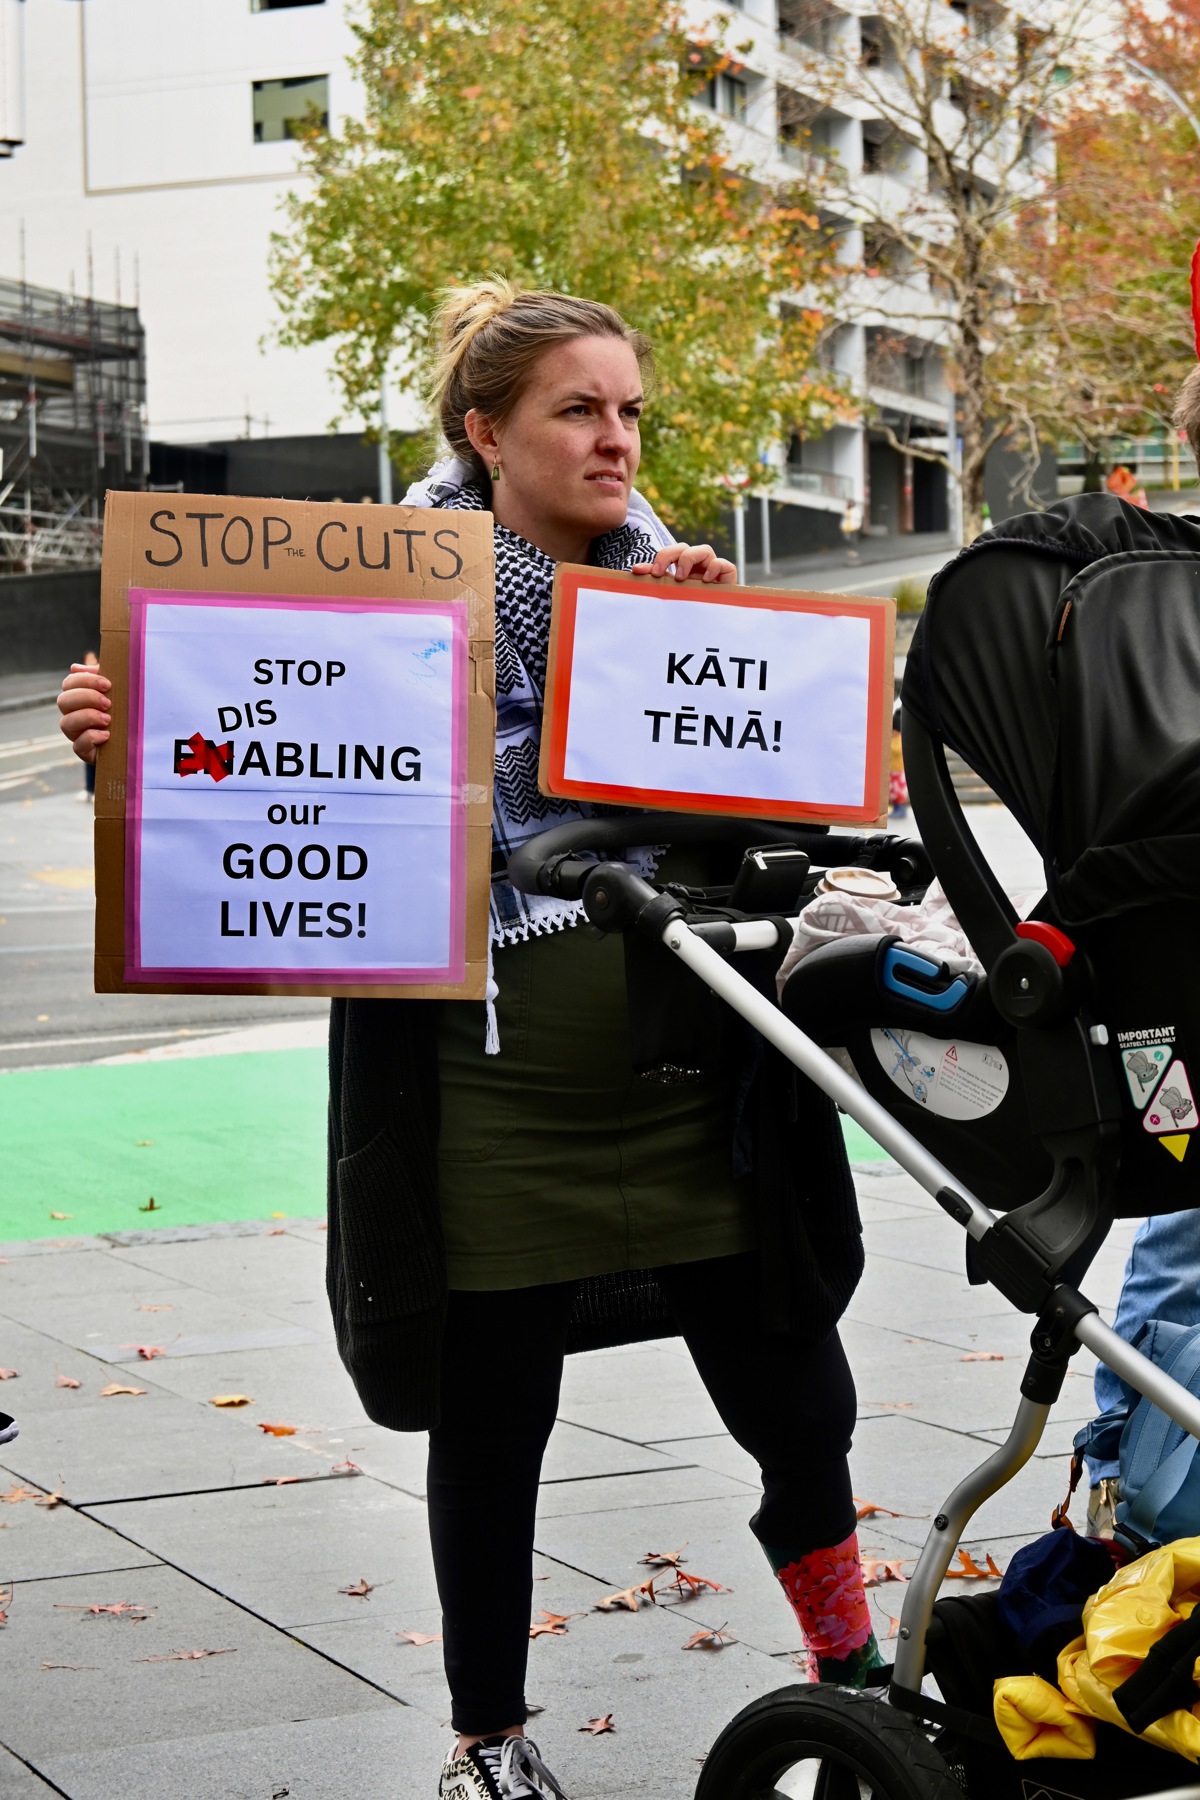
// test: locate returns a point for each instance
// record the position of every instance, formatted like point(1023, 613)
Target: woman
point(504, 1184)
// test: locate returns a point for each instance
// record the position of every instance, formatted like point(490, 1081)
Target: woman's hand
point(692, 562)
point(86, 710)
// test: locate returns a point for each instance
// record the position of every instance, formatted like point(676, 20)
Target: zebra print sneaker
point(508, 1768)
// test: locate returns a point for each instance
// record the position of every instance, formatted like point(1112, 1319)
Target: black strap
point(1164, 1682)
point(954, 1718)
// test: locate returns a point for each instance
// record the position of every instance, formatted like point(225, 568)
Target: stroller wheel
point(824, 1743)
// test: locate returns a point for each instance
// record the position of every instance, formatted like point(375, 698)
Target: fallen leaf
point(420, 1638)
point(893, 1627)
point(76, 1666)
point(185, 1656)
point(709, 1640)
point(144, 1143)
point(688, 1586)
point(361, 1589)
point(231, 1400)
point(50, 1500)
point(147, 1352)
point(68, 1381)
point(598, 1726)
point(867, 1509)
point(278, 1232)
point(969, 1570)
point(15, 1495)
point(62, 1215)
point(142, 1307)
point(664, 1559)
point(877, 1570)
point(892, 1405)
point(278, 1215)
point(150, 1206)
point(8, 1374)
point(982, 1356)
point(277, 1430)
point(550, 1624)
point(6, 1595)
point(278, 1480)
point(119, 1609)
point(345, 1468)
point(114, 1387)
point(629, 1599)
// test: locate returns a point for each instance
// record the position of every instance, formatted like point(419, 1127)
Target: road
point(48, 1013)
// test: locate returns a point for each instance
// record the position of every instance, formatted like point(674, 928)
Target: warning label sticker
point(1173, 1107)
point(1144, 1069)
point(953, 1079)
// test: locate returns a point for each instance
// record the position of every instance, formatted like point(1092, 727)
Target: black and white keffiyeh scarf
point(524, 582)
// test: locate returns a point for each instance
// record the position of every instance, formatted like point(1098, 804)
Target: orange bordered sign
point(693, 698)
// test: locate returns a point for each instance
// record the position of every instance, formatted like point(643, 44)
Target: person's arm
point(86, 710)
point(692, 562)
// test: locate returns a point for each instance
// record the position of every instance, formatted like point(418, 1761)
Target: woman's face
point(569, 450)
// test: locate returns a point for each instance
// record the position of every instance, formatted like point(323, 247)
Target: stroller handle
point(558, 861)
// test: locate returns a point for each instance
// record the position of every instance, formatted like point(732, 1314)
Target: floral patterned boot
point(825, 1589)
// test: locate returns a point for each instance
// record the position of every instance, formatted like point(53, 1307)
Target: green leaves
point(556, 141)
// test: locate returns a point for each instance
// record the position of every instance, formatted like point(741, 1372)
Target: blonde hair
point(490, 336)
point(1186, 416)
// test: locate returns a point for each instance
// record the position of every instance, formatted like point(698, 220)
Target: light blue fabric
point(1162, 1281)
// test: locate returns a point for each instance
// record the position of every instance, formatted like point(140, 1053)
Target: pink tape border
point(455, 613)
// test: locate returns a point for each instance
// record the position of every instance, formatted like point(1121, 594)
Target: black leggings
point(791, 1405)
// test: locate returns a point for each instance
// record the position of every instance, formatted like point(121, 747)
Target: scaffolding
point(72, 422)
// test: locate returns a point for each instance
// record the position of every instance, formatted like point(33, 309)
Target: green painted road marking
point(860, 1147)
point(213, 1138)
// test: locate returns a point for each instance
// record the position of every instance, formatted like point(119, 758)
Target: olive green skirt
point(555, 1159)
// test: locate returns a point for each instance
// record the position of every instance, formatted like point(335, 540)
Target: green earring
point(495, 471)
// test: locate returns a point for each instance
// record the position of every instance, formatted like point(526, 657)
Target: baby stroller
point(1060, 657)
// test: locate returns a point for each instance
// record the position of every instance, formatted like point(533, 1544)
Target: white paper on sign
point(298, 810)
point(711, 699)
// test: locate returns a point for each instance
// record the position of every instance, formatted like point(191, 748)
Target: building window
point(283, 109)
point(278, 5)
point(725, 94)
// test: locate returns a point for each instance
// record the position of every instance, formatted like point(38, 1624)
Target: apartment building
point(147, 145)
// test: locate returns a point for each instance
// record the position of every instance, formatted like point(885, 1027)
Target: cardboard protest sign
point(296, 794)
point(717, 699)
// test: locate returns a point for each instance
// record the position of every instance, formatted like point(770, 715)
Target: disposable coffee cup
point(861, 884)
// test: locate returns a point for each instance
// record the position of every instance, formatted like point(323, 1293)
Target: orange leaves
point(15, 1495)
point(6, 1595)
point(231, 1400)
point(115, 1387)
point(362, 1589)
point(550, 1624)
point(710, 1640)
point(55, 1215)
point(629, 1599)
point(982, 1356)
point(420, 1638)
point(688, 1586)
point(876, 1570)
point(345, 1468)
point(868, 1509)
point(132, 1610)
point(8, 1374)
point(279, 1480)
point(664, 1559)
point(66, 1381)
point(969, 1570)
point(277, 1430)
point(600, 1725)
point(142, 1307)
point(186, 1656)
point(147, 1352)
point(51, 1500)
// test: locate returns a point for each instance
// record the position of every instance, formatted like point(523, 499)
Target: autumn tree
point(962, 103)
point(557, 142)
point(1103, 272)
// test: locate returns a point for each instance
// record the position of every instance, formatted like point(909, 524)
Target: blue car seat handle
point(914, 977)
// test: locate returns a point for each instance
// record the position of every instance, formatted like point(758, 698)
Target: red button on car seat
point(1057, 942)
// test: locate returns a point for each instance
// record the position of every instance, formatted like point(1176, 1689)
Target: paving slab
point(127, 1447)
point(644, 1393)
point(180, 1321)
point(273, 1272)
point(285, 1552)
point(106, 1690)
point(393, 1754)
point(301, 1382)
point(38, 1542)
point(18, 1781)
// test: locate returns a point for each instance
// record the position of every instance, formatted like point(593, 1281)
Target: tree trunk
point(974, 420)
point(1093, 473)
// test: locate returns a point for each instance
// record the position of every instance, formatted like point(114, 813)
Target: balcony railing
point(818, 481)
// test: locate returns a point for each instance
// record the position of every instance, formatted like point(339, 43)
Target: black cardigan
point(386, 1271)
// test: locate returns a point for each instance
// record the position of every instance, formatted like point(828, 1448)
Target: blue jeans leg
point(1162, 1281)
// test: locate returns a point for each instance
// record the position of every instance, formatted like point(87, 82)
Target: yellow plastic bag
point(1034, 1719)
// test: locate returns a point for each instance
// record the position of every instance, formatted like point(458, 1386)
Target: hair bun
point(464, 311)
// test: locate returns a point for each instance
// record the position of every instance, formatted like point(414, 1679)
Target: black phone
point(770, 880)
